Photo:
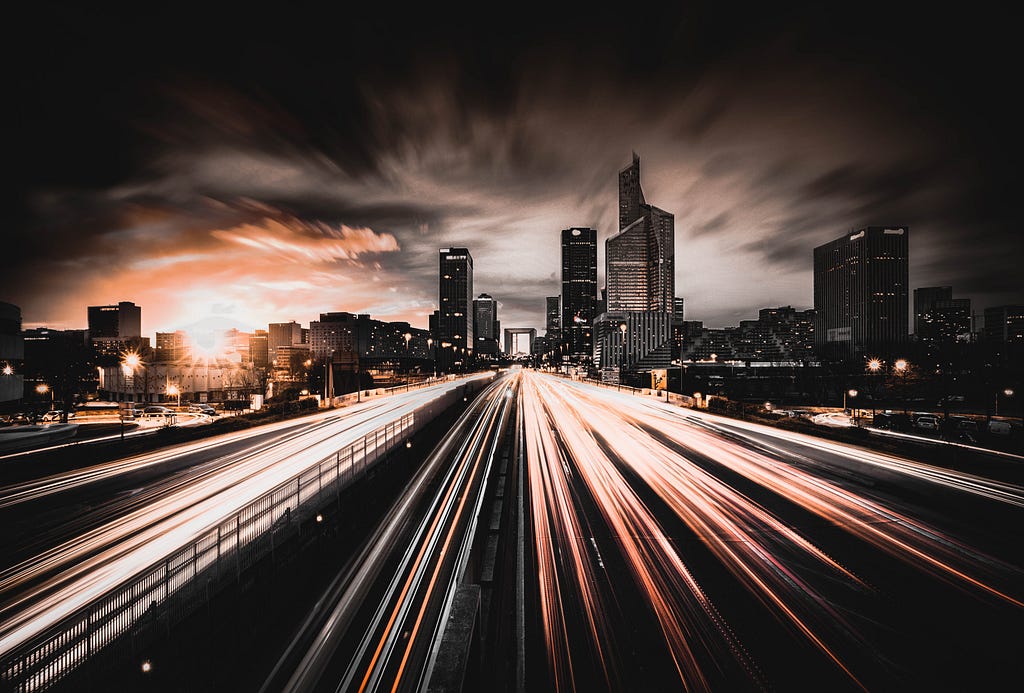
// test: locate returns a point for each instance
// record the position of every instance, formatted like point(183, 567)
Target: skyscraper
point(861, 294)
point(640, 258)
point(640, 281)
point(485, 325)
point(455, 301)
point(579, 289)
point(553, 317)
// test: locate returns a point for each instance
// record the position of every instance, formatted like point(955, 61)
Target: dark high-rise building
point(486, 325)
point(579, 289)
point(1004, 324)
point(553, 317)
point(940, 318)
point(924, 300)
point(112, 327)
point(455, 301)
point(861, 293)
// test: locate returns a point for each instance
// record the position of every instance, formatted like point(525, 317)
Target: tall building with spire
point(640, 258)
point(640, 282)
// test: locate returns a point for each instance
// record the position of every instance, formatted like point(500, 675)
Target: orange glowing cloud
point(301, 241)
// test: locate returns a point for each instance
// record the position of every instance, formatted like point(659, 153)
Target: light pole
point(43, 388)
point(852, 393)
point(901, 367)
point(174, 391)
point(622, 362)
point(874, 366)
point(430, 354)
point(128, 365)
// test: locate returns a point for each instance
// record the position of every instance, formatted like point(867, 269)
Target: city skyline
point(215, 193)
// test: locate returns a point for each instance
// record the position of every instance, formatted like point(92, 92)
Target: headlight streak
point(558, 534)
point(417, 576)
point(685, 615)
point(747, 538)
point(106, 556)
point(901, 536)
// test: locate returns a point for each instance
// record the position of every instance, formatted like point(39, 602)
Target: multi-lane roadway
point(675, 550)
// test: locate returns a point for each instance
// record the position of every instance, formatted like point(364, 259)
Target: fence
point(169, 590)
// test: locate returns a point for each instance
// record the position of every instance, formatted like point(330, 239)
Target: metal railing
point(172, 588)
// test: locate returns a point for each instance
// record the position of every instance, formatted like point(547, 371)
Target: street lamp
point(852, 393)
point(43, 388)
point(622, 365)
point(430, 354)
point(901, 367)
point(8, 369)
point(174, 391)
point(1008, 392)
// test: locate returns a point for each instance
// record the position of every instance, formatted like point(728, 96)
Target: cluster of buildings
point(630, 327)
point(112, 360)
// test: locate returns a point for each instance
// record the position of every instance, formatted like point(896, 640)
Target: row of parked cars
point(35, 417)
point(961, 427)
point(156, 410)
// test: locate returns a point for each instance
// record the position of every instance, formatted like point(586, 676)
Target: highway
point(674, 550)
point(77, 557)
point(379, 624)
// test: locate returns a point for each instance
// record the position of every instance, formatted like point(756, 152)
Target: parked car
point(890, 421)
point(1000, 428)
point(202, 409)
point(57, 415)
point(929, 423)
point(155, 409)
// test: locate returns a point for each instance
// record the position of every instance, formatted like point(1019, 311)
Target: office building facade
point(861, 293)
point(579, 290)
point(640, 282)
point(113, 327)
point(455, 303)
point(486, 326)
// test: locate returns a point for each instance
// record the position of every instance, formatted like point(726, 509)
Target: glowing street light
point(43, 388)
point(174, 390)
point(852, 394)
point(8, 369)
point(875, 365)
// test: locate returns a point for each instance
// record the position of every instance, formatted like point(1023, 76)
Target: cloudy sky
point(263, 168)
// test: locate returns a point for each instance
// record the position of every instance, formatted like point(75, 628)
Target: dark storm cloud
point(765, 137)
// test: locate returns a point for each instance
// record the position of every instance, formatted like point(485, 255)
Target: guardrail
point(172, 588)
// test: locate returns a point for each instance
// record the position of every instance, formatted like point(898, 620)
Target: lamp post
point(873, 367)
point(174, 391)
point(430, 354)
point(129, 363)
point(43, 388)
point(900, 367)
point(622, 362)
point(852, 393)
